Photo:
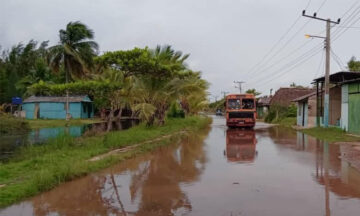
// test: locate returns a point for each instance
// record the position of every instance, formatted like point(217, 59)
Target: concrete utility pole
point(224, 93)
point(327, 63)
point(239, 85)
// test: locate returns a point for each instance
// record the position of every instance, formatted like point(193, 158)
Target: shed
point(344, 100)
point(54, 107)
point(306, 110)
point(350, 106)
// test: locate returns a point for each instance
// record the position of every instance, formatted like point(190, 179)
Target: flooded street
point(268, 171)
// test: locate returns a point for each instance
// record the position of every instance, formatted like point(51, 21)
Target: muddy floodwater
point(268, 171)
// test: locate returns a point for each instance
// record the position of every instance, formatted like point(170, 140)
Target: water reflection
point(240, 145)
point(331, 170)
point(146, 185)
point(9, 143)
point(294, 174)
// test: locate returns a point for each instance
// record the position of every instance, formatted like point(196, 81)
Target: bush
point(175, 111)
point(12, 125)
point(278, 112)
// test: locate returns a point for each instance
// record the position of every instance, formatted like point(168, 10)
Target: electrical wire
point(278, 42)
point(337, 60)
point(292, 68)
point(321, 63)
point(286, 67)
point(293, 61)
point(322, 5)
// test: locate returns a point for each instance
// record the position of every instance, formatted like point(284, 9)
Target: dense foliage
point(143, 80)
point(278, 112)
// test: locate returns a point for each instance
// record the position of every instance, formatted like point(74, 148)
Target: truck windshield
point(248, 104)
point(233, 104)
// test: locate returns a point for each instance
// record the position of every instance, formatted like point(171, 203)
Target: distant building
point(262, 106)
point(48, 107)
point(306, 110)
point(285, 96)
point(344, 101)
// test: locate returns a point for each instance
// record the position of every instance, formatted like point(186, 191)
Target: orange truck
point(240, 110)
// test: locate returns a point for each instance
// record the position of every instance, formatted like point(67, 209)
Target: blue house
point(48, 107)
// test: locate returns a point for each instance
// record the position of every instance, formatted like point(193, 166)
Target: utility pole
point(327, 62)
point(239, 85)
point(224, 93)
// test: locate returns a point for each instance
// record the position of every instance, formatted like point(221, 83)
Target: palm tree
point(74, 52)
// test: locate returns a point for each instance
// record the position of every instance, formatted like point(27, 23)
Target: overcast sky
point(226, 38)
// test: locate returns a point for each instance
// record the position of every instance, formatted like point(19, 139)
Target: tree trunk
point(118, 116)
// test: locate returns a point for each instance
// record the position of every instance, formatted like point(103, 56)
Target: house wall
point(335, 106)
point(53, 110)
point(344, 107)
point(29, 110)
point(312, 111)
point(354, 104)
point(302, 114)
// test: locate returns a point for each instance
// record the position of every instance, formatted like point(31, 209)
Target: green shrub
point(12, 125)
point(175, 111)
point(278, 112)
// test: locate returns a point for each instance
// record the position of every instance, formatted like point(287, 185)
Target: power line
point(285, 68)
point(292, 62)
point(322, 5)
point(278, 42)
point(284, 58)
point(351, 17)
point(292, 68)
point(337, 60)
point(319, 67)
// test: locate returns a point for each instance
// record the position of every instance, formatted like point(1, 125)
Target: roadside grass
point(39, 168)
point(330, 134)
point(47, 123)
point(285, 122)
point(12, 125)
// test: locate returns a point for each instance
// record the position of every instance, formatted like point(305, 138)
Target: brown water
point(265, 172)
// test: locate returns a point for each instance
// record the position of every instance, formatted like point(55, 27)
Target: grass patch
point(48, 123)
point(330, 134)
point(39, 168)
point(12, 125)
point(285, 122)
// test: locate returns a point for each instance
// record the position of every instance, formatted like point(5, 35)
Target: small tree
point(353, 65)
point(253, 91)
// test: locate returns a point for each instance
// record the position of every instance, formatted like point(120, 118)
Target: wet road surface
point(267, 171)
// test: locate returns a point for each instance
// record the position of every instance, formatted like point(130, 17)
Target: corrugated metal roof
point(340, 77)
point(59, 99)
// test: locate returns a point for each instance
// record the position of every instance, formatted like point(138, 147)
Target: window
point(248, 104)
point(233, 104)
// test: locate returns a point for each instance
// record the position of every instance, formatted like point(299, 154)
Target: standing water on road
point(219, 171)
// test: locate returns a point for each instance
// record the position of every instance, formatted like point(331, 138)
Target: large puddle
point(9, 143)
point(220, 171)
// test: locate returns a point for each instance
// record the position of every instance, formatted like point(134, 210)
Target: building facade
point(48, 107)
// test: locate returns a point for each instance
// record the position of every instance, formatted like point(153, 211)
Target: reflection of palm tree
point(160, 181)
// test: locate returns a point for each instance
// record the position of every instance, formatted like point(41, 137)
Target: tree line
point(147, 81)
